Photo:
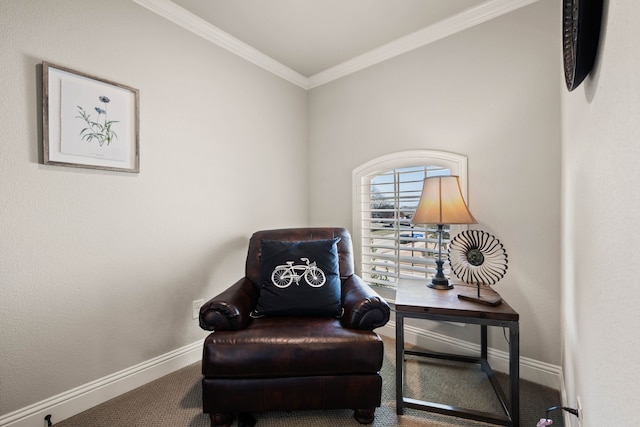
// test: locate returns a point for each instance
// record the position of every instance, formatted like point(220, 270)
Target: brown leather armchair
point(254, 365)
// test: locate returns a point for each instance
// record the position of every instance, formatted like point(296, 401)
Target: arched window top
point(386, 192)
point(457, 163)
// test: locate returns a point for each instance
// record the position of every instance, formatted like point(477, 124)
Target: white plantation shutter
point(386, 198)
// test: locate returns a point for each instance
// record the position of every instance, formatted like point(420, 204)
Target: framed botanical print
point(89, 122)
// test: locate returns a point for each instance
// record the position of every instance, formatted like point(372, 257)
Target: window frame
point(456, 163)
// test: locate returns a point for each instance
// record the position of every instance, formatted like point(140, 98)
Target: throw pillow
point(299, 278)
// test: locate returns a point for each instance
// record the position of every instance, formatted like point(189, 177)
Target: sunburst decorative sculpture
point(478, 258)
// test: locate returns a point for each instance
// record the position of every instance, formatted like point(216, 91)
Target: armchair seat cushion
point(288, 347)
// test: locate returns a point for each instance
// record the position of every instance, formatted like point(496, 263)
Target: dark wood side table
point(415, 300)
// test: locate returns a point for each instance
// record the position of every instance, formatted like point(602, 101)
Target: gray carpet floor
point(175, 400)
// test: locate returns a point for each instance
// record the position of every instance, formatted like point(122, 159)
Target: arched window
point(386, 193)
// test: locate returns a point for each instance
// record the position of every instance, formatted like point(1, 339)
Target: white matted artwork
point(89, 122)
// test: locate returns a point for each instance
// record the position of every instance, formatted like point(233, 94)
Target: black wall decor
point(581, 22)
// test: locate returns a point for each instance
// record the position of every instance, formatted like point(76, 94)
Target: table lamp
point(441, 203)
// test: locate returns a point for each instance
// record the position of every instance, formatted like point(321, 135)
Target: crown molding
point(471, 17)
point(464, 20)
point(180, 16)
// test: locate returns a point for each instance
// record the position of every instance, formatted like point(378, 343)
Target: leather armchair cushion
point(290, 346)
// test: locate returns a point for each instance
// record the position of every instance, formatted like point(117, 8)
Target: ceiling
point(311, 42)
point(310, 36)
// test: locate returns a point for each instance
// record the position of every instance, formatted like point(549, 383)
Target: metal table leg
point(514, 372)
point(399, 363)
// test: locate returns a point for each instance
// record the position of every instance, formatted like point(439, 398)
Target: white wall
point(99, 269)
point(601, 173)
point(490, 93)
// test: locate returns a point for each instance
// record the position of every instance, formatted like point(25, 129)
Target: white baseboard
point(72, 402)
point(531, 370)
point(569, 420)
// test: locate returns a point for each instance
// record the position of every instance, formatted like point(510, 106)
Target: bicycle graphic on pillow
point(284, 275)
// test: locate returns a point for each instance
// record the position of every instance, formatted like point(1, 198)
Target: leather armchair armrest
point(363, 307)
point(231, 309)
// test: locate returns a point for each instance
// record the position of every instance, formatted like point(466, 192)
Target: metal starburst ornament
point(478, 258)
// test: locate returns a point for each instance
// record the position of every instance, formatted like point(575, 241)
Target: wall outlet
point(196, 308)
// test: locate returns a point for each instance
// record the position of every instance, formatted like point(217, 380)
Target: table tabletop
point(413, 295)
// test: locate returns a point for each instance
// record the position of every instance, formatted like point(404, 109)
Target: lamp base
point(440, 284)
